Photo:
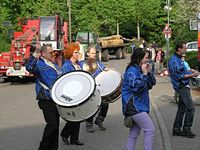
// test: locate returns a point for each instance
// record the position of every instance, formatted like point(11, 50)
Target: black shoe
point(90, 129)
point(76, 142)
point(65, 140)
point(100, 124)
point(177, 133)
point(188, 134)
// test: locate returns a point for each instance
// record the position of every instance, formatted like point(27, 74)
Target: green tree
point(4, 42)
point(183, 11)
point(144, 11)
point(100, 16)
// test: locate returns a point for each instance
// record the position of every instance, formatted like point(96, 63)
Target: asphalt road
point(22, 123)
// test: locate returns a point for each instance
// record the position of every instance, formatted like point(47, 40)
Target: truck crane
point(46, 30)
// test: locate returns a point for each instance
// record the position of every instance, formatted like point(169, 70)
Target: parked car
point(192, 46)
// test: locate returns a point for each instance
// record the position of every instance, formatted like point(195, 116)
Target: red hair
point(70, 49)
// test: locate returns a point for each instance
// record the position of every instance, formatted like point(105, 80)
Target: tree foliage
point(101, 17)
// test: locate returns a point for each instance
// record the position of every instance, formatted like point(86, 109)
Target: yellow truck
point(112, 45)
point(106, 46)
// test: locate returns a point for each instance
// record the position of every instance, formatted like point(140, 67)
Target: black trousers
point(185, 107)
point(51, 131)
point(71, 129)
point(102, 113)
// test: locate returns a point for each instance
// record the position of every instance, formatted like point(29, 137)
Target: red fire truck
point(46, 30)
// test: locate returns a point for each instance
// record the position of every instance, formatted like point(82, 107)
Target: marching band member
point(71, 129)
point(95, 67)
point(46, 72)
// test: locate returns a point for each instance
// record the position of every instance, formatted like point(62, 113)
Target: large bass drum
point(109, 84)
point(76, 96)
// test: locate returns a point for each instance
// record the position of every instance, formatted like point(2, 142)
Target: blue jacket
point(68, 66)
point(177, 71)
point(137, 85)
point(100, 68)
point(44, 73)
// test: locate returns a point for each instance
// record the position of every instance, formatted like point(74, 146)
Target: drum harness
point(50, 64)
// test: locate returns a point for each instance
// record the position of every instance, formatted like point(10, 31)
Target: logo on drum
point(67, 98)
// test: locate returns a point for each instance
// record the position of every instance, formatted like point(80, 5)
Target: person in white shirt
point(81, 51)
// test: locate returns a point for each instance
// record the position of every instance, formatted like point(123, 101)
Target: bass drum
point(76, 96)
point(109, 84)
point(83, 111)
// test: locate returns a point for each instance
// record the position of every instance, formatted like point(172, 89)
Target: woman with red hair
point(71, 129)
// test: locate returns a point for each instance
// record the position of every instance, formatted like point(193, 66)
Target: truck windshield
point(83, 37)
point(47, 29)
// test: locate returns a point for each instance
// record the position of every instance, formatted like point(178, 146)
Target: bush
point(191, 58)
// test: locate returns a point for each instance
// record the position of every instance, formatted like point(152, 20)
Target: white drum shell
point(83, 111)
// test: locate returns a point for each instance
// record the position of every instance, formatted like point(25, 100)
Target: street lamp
point(168, 8)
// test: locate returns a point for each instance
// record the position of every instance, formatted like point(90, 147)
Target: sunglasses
point(52, 53)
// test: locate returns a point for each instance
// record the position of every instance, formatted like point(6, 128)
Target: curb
point(166, 140)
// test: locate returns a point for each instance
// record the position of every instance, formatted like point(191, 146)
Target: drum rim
point(119, 85)
point(115, 99)
point(60, 76)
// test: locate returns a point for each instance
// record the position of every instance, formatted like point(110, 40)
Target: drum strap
point(43, 85)
point(49, 63)
point(100, 67)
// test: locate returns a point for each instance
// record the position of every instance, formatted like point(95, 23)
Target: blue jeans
point(185, 107)
point(152, 65)
point(141, 121)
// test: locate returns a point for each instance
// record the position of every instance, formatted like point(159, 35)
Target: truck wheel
point(105, 55)
point(119, 54)
point(124, 53)
point(6, 79)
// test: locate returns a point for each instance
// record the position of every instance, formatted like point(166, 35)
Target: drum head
point(73, 88)
point(108, 81)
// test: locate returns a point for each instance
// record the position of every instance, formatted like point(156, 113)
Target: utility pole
point(168, 8)
point(167, 39)
point(117, 27)
point(70, 23)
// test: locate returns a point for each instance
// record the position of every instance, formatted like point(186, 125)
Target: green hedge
point(191, 58)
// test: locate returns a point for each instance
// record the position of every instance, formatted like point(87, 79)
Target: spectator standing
point(180, 78)
point(82, 51)
point(160, 56)
point(152, 56)
point(133, 47)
